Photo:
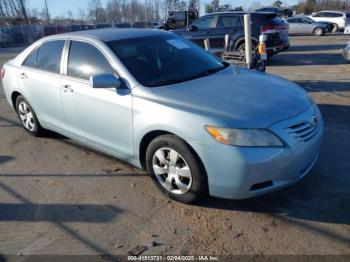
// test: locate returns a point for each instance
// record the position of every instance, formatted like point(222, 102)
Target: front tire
point(175, 169)
point(318, 31)
point(28, 117)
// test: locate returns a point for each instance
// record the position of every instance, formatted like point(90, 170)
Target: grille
point(304, 131)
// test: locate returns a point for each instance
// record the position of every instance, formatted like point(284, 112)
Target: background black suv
point(215, 26)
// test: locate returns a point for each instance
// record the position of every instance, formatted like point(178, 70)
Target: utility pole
point(47, 12)
point(24, 12)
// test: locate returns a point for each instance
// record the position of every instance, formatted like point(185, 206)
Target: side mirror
point(105, 81)
point(192, 28)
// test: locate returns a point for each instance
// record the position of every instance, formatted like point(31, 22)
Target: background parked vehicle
point(305, 26)
point(215, 26)
point(5, 37)
point(335, 17)
point(142, 24)
point(99, 26)
point(180, 19)
point(157, 24)
point(123, 25)
point(346, 52)
point(281, 12)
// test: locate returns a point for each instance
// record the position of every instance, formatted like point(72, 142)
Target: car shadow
point(59, 215)
point(288, 59)
point(313, 86)
point(306, 48)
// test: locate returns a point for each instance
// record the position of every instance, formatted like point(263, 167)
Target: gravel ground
point(57, 197)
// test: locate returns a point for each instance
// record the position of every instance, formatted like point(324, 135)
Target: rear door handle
point(67, 88)
point(24, 76)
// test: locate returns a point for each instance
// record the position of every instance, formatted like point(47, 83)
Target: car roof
point(110, 34)
point(331, 11)
point(239, 13)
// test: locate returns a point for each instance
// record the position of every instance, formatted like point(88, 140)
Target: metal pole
point(248, 40)
point(227, 42)
point(207, 44)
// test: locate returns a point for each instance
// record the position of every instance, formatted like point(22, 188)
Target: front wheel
point(28, 117)
point(318, 31)
point(175, 169)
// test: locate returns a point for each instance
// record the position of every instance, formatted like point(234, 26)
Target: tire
point(318, 31)
point(28, 117)
point(188, 187)
point(241, 47)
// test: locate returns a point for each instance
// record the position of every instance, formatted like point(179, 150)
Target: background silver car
point(305, 25)
point(162, 103)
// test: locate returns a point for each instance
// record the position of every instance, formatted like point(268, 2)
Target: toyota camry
point(198, 125)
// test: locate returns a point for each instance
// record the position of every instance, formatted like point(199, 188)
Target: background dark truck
point(215, 26)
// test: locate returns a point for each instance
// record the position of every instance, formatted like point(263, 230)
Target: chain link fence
point(22, 35)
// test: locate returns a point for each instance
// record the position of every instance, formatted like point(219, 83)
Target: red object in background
point(2, 73)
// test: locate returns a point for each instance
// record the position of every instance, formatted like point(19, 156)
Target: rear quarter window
point(30, 61)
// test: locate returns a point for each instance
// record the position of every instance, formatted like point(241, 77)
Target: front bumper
point(245, 172)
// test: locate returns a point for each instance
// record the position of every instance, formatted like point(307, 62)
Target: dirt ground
point(57, 197)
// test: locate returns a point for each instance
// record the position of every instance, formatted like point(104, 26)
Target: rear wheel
point(28, 117)
point(175, 169)
point(318, 31)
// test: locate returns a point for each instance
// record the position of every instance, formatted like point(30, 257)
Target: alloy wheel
point(172, 171)
point(26, 116)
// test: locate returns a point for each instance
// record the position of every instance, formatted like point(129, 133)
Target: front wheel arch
point(149, 137)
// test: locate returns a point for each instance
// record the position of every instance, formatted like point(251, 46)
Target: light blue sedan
point(159, 102)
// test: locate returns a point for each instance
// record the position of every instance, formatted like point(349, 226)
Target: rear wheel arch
point(241, 41)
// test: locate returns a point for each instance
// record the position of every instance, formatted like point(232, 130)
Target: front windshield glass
point(164, 59)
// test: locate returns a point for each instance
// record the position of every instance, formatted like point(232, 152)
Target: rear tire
point(176, 170)
point(28, 117)
point(318, 31)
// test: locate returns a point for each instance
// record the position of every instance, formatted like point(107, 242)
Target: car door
point(226, 24)
point(306, 26)
point(201, 30)
point(293, 26)
point(102, 117)
point(39, 78)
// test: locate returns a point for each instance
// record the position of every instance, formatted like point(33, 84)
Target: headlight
point(245, 137)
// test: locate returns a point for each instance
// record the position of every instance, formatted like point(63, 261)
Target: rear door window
point(49, 56)
point(85, 60)
point(228, 21)
point(204, 23)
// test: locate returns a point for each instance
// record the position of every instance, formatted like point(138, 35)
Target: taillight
point(267, 28)
point(2, 73)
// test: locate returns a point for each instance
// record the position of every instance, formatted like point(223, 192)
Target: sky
point(61, 7)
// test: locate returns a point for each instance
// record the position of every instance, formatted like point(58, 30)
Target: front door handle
point(24, 76)
point(67, 88)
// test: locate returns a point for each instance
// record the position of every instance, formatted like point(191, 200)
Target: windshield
point(164, 59)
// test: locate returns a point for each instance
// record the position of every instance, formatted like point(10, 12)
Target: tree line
point(128, 11)
point(114, 11)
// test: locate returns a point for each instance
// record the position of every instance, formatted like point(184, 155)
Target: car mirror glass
point(105, 81)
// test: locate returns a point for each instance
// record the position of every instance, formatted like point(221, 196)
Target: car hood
point(238, 97)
